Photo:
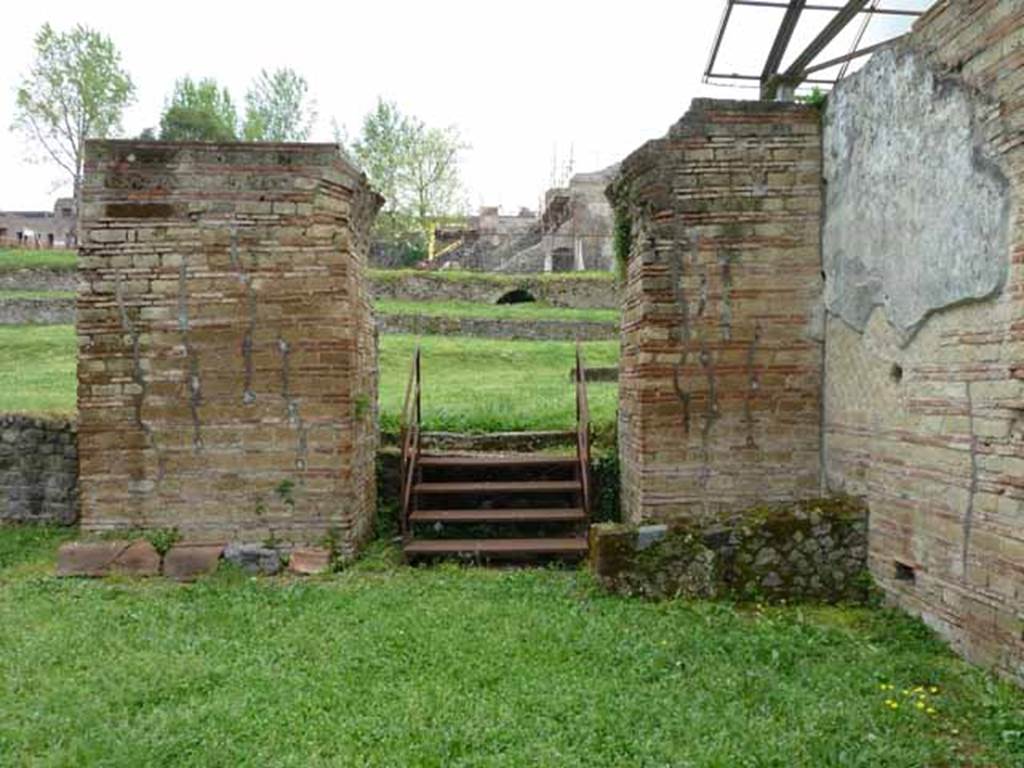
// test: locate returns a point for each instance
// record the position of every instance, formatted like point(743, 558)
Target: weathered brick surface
point(38, 470)
point(932, 431)
point(89, 558)
point(309, 561)
point(188, 561)
point(720, 375)
point(227, 355)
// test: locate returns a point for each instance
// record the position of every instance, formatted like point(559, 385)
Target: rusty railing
point(410, 439)
point(583, 429)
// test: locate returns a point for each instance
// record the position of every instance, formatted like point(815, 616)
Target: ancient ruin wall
point(923, 246)
point(720, 372)
point(38, 470)
point(227, 360)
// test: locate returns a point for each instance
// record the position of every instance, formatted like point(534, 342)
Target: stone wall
point(720, 372)
point(924, 250)
point(572, 291)
point(811, 550)
point(494, 328)
point(38, 280)
point(38, 470)
point(41, 311)
point(227, 355)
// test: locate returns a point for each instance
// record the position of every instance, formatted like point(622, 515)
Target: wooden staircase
point(494, 506)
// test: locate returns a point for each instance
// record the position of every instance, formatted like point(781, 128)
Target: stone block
point(89, 558)
point(254, 559)
point(188, 561)
point(140, 558)
point(309, 561)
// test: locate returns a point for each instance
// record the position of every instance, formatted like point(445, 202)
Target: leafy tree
point(431, 174)
point(416, 168)
point(277, 107)
point(381, 151)
point(77, 89)
point(199, 111)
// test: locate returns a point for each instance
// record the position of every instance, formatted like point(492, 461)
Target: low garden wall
point(38, 280)
point(37, 311)
point(587, 291)
point(38, 470)
point(813, 550)
point(496, 328)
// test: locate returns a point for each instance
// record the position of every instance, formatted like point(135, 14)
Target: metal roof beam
point(816, 7)
point(782, 38)
point(792, 77)
point(718, 38)
point(846, 57)
point(826, 36)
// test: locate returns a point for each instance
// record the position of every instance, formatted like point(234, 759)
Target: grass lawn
point(35, 295)
point(37, 369)
point(390, 666)
point(487, 385)
point(525, 311)
point(473, 385)
point(17, 258)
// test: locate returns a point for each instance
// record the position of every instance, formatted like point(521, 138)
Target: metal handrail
point(409, 439)
point(583, 429)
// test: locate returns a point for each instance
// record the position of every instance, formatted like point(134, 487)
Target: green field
point(469, 384)
point(524, 311)
point(485, 385)
point(17, 258)
point(385, 665)
point(37, 369)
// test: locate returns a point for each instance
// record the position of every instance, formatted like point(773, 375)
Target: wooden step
point(563, 546)
point(572, 514)
point(484, 461)
point(485, 488)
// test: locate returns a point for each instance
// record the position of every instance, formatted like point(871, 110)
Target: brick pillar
point(227, 361)
point(721, 370)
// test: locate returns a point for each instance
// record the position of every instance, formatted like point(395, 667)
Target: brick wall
point(928, 422)
point(227, 358)
point(38, 470)
point(720, 374)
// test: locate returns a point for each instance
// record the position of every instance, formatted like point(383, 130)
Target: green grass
point(35, 295)
point(16, 258)
point(37, 369)
point(487, 385)
point(392, 666)
point(525, 311)
point(471, 385)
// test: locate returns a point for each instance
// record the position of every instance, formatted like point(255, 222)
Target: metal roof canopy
point(781, 83)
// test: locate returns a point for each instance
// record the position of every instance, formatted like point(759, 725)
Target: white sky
point(522, 81)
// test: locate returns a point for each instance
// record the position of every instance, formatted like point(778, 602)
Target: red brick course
point(227, 357)
point(720, 376)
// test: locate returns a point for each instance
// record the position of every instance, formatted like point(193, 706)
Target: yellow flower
point(920, 705)
point(931, 710)
point(934, 689)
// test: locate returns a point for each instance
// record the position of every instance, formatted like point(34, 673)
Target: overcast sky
point(525, 82)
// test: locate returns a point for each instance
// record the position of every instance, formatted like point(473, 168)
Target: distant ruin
point(572, 234)
point(40, 229)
